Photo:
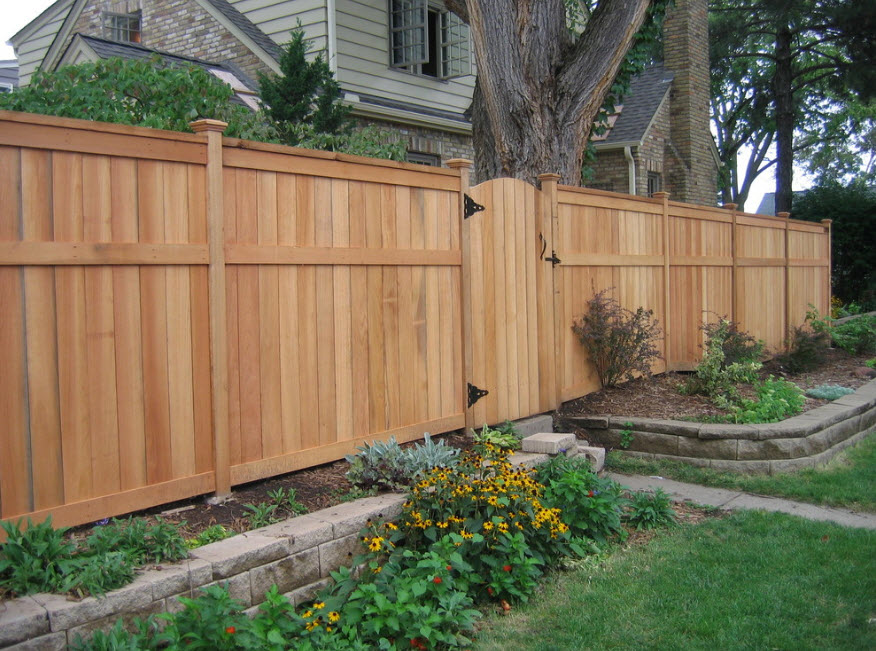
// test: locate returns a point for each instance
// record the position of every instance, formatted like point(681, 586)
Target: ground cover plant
point(750, 580)
point(849, 480)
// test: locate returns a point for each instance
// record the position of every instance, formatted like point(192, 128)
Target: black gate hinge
point(471, 207)
point(554, 260)
point(475, 394)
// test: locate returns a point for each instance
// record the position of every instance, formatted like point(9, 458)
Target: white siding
point(34, 45)
point(363, 62)
point(277, 18)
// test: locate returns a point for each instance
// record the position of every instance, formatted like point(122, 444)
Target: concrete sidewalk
point(728, 499)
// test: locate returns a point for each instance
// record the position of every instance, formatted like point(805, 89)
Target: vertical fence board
point(290, 366)
point(359, 323)
point(342, 313)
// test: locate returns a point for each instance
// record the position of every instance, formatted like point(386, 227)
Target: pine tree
point(305, 99)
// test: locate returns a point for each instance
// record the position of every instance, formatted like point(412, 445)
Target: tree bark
point(784, 99)
point(538, 91)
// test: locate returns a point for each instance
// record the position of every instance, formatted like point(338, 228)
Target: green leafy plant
point(501, 438)
point(261, 515)
point(286, 499)
point(626, 436)
point(806, 349)
point(353, 494)
point(618, 341)
point(715, 375)
point(871, 363)
point(211, 534)
point(828, 392)
point(145, 92)
point(141, 541)
point(388, 466)
point(649, 511)
point(777, 399)
point(857, 336)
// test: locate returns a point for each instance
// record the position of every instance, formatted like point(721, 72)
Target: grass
point(849, 480)
point(751, 580)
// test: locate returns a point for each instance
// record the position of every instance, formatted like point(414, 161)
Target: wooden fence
point(183, 313)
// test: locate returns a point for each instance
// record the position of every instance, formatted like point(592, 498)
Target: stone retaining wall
point(297, 555)
point(810, 439)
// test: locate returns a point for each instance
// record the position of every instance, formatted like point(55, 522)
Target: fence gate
point(511, 303)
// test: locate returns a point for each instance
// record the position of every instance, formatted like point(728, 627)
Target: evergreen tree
point(305, 99)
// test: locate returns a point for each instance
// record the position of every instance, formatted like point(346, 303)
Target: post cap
point(783, 215)
point(199, 126)
point(730, 206)
point(459, 163)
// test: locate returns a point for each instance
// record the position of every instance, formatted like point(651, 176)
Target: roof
point(647, 91)
point(227, 72)
point(245, 25)
point(9, 73)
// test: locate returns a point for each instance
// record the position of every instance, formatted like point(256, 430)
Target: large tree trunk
point(538, 91)
point(784, 120)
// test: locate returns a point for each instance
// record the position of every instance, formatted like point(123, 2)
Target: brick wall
point(176, 26)
point(611, 172)
point(692, 173)
point(443, 144)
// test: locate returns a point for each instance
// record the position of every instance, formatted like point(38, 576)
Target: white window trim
point(454, 50)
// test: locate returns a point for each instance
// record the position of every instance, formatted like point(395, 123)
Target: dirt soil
point(324, 486)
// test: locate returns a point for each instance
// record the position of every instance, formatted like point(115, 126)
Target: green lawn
point(750, 580)
point(848, 481)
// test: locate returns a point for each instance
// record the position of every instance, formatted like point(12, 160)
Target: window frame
point(448, 36)
point(113, 31)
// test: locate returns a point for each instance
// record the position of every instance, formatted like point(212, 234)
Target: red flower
point(507, 568)
point(449, 567)
point(589, 493)
point(489, 591)
point(231, 630)
point(436, 580)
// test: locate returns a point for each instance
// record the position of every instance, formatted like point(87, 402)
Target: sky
point(15, 14)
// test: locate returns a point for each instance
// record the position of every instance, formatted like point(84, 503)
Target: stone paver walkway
point(729, 499)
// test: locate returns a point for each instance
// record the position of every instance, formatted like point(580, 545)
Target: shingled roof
point(647, 91)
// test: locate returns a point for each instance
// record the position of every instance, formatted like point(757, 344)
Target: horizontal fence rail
point(182, 313)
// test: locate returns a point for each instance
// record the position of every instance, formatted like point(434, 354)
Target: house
point(404, 64)
point(421, 85)
point(659, 139)
point(8, 75)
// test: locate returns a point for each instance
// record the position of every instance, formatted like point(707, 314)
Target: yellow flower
point(307, 614)
point(465, 534)
point(378, 569)
point(375, 544)
point(319, 605)
point(334, 616)
point(488, 526)
point(391, 526)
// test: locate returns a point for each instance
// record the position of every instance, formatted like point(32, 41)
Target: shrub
point(715, 376)
point(649, 511)
point(828, 392)
point(140, 541)
point(502, 437)
point(386, 466)
point(856, 336)
point(806, 349)
point(619, 342)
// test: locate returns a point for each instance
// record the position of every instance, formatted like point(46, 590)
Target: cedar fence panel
point(182, 313)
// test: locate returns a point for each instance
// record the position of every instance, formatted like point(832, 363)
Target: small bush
point(211, 534)
point(649, 511)
point(386, 466)
point(502, 437)
point(142, 542)
point(777, 399)
point(828, 392)
point(856, 336)
point(715, 375)
point(806, 350)
point(620, 342)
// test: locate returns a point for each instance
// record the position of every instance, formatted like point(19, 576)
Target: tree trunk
point(782, 80)
point(538, 92)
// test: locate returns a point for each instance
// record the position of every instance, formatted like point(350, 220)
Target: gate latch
point(553, 259)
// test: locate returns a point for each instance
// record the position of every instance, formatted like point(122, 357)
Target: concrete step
point(534, 425)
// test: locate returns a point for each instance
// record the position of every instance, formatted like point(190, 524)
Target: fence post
point(787, 217)
point(216, 288)
point(549, 356)
point(464, 166)
point(828, 233)
point(667, 294)
point(734, 307)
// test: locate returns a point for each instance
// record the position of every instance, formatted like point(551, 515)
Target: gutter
point(631, 162)
point(332, 45)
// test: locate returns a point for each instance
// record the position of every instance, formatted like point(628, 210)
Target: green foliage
point(828, 392)
point(592, 506)
point(305, 93)
point(386, 466)
point(261, 515)
point(353, 494)
point(777, 399)
point(211, 534)
point(852, 208)
point(857, 336)
point(363, 141)
point(619, 342)
point(649, 511)
point(626, 435)
point(119, 639)
point(502, 437)
point(286, 500)
point(715, 375)
point(140, 541)
point(39, 558)
point(146, 93)
point(807, 347)
point(871, 363)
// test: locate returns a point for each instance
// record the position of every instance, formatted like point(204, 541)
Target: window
point(122, 27)
point(5, 88)
point(655, 183)
point(422, 158)
point(427, 40)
